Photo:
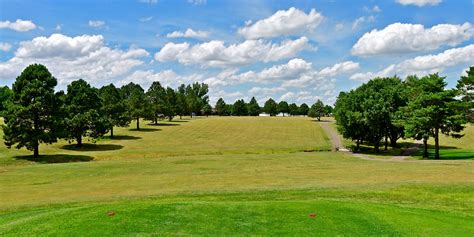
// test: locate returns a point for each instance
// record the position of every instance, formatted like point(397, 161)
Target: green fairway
point(227, 176)
point(213, 135)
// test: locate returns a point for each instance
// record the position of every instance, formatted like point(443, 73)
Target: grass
point(214, 176)
point(206, 136)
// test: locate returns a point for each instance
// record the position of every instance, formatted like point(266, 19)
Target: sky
point(297, 51)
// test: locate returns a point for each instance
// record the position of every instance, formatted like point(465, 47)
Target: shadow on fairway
point(180, 121)
point(402, 149)
point(92, 147)
point(323, 121)
point(144, 130)
point(164, 124)
point(58, 158)
point(122, 137)
point(451, 154)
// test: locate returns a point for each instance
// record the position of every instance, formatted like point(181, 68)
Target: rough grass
point(214, 176)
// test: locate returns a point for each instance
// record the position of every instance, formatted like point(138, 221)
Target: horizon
point(293, 51)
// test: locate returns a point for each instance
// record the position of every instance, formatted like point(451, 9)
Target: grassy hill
point(227, 176)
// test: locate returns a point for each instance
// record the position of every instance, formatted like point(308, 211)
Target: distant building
point(264, 115)
point(283, 115)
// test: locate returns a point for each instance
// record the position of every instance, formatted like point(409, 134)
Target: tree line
point(272, 108)
point(34, 113)
point(384, 110)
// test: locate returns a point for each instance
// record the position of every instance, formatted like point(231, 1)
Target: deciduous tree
point(270, 107)
point(135, 100)
point(113, 107)
point(82, 106)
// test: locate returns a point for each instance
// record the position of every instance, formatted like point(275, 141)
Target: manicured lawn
point(214, 176)
point(213, 135)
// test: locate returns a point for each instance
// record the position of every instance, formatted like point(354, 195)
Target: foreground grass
point(288, 213)
point(160, 181)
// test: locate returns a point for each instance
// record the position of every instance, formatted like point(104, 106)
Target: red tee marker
point(312, 215)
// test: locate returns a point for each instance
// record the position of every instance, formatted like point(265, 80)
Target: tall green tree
point(169, 103)
point(5, 96)
point(270, 107)
point(283, 108)
point(207, 110)
point(328, 110)
point(197, 98)
point(348, 112)
point(253, 107)
point(136, 101)
point(294, 110)
point(113, 107)
point(433, 109)
point(32, 114)
point(316, 110)
point(220, 107)
point(156, 94)
point(304, 109)
point(239, 108)
point(82, 107)
point(465, 88)
point(182, 107)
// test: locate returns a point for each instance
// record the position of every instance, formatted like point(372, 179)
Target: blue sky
point(298, 51)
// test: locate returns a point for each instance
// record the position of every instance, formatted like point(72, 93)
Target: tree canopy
point(32, 114)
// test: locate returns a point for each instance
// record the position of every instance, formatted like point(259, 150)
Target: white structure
point(283, 115)
point(264, 115)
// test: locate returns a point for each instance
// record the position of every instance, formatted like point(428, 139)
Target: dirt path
point(333, 135)
point(337, 145)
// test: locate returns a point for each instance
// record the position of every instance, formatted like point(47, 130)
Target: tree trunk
point(112, 131)
point(79, 141)
point(180, 116)
point(393, 141)
point(425, 147)
point(138, 123)
point(36, 150)
point(386, 143)
point(436, 143)
point(170, 118)
point(358, 145)
point(376, 147)
point(319, 118)
point(156, 120)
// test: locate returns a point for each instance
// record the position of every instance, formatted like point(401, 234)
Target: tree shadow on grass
point(144, 130)
point(451, 154)
point(58, 158)
point(164, 124)
point(323, 121)
point(92, 147)
point(180, 121)
point(122, 137)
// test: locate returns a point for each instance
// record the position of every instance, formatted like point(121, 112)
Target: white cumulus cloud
point(419, 3)
point(403, 38)
point(18, 25)
point(5, 46)
point(423, 64)
point(96, 24)
point(216, 54)
point(71, 58)
point(289, 22)
point(189, 33)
